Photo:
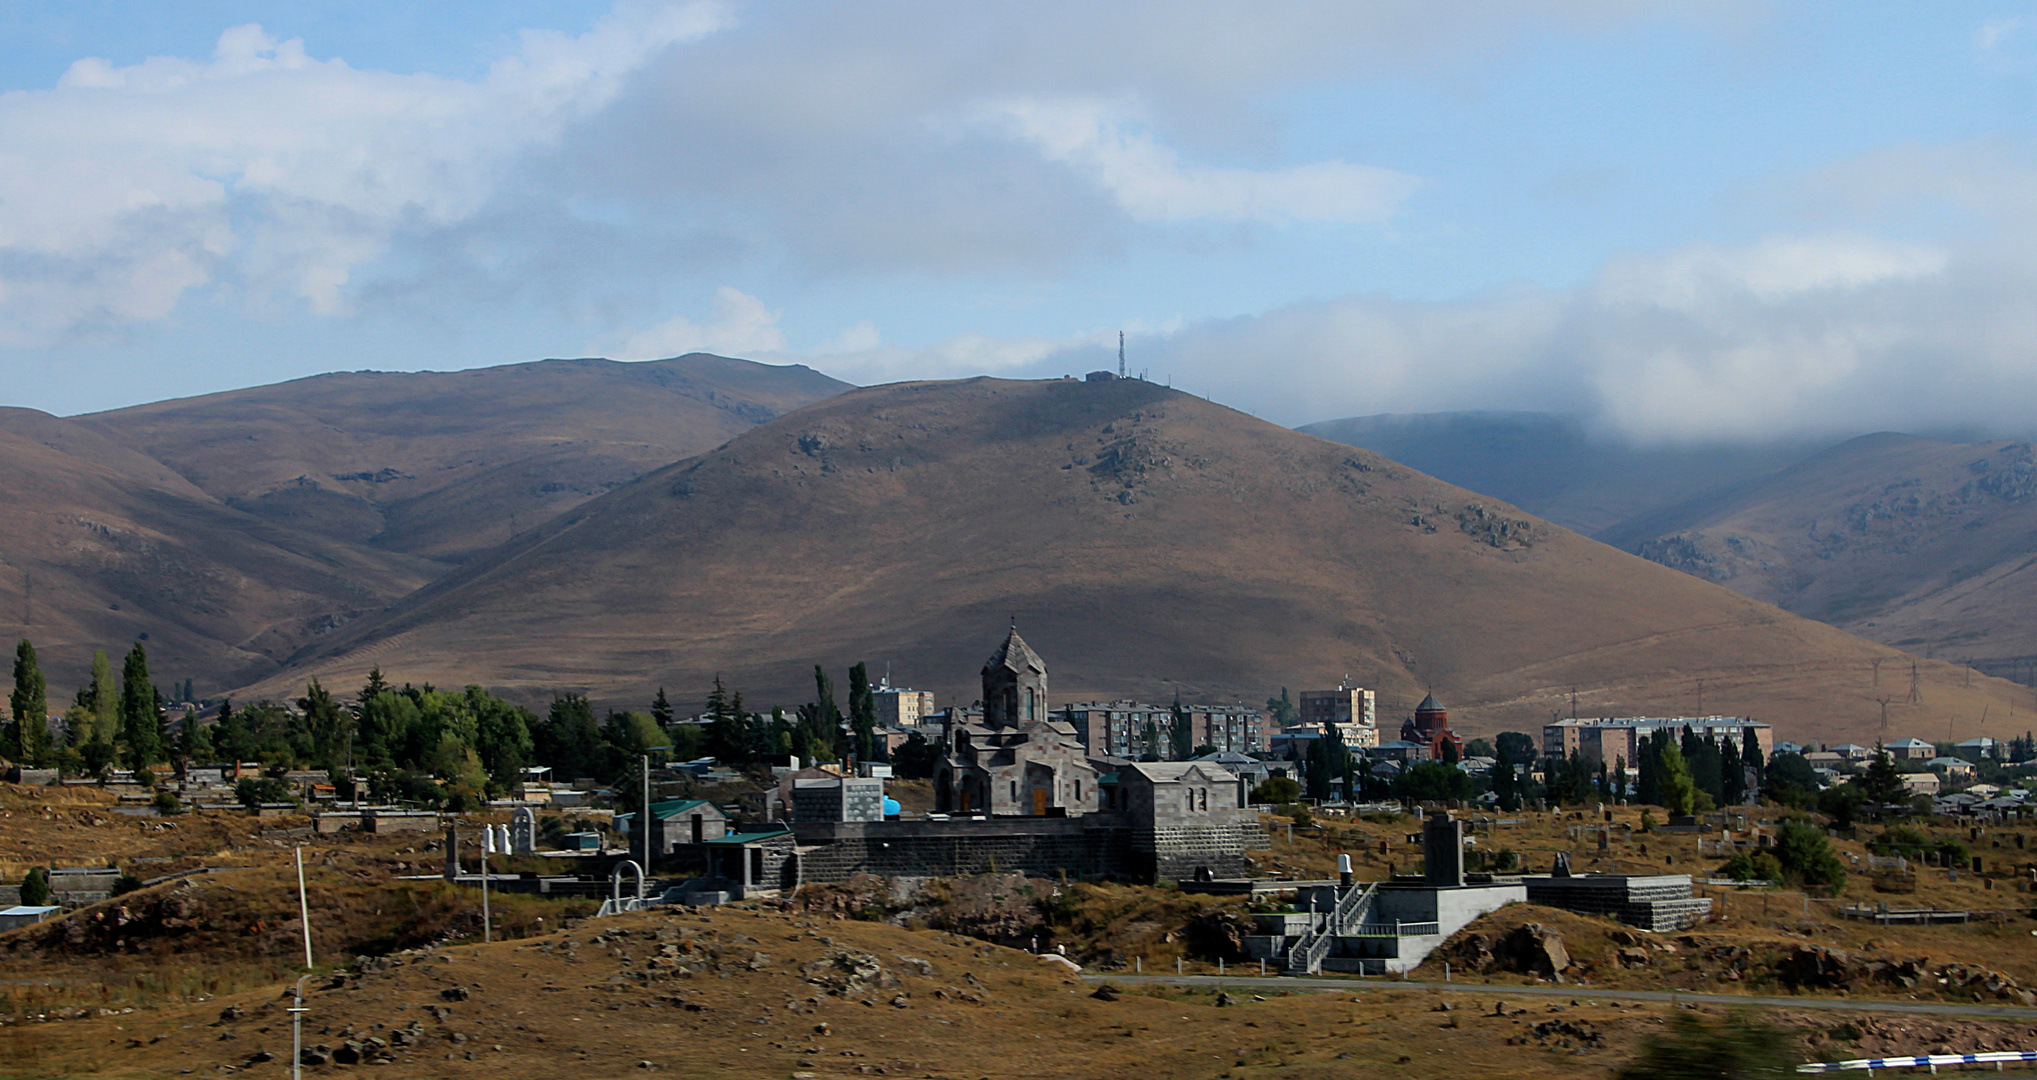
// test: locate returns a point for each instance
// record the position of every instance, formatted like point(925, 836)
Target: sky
point(1684, 222)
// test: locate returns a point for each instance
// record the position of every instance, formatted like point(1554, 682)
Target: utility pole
point(1121, 354)
point(297, 1009)
point(1701, 697)
point(487, 920)
point(644, 818)
point(1915, 697)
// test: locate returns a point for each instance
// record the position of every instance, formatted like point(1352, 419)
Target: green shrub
point(167, 803)
point(35, 887)
point(125, 883)
point(253, 792)
point(1806, 858)
point(1276, 789)
point(1299, 812)
point(1752, 866)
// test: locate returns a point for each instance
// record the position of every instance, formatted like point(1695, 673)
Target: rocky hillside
point(1147, 541)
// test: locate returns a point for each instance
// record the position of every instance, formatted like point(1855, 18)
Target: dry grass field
point(193, 974)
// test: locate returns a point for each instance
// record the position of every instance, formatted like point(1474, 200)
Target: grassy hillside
point(101, 546)
point(444, 464)
point(1554, 467)
point(1921, 543)
point(1147, 540)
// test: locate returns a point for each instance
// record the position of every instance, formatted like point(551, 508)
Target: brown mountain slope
point(1146, 540)
point(444, 464)
point(101, 546)
point(1927, 545)
point(1556, 467)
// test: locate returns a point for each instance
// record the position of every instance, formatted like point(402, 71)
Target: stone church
point(1018, 761)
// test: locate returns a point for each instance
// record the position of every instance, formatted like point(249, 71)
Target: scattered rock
point(454, 993)
point(1533, 950)
point(1106, 992)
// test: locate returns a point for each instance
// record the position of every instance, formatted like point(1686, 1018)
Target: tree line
point(420, 743)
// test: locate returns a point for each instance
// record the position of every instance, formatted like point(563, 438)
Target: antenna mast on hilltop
point(1121, 354)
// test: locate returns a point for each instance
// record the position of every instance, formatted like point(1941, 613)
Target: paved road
point(1374, 985)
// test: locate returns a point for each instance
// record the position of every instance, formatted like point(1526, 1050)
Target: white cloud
point(741, 326)
point(1149, 181)
point(1802, 334)
point(862, 337)
point(122, 187)
point(815, 138)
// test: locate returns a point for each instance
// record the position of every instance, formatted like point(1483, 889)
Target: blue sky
point(1687, 221)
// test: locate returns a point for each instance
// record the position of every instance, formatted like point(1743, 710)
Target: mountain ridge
point(1146, 539)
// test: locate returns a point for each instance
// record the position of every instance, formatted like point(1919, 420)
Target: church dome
point(1429, 705)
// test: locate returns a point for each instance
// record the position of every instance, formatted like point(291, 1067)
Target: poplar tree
point(1181, 738)
point(1733, 773)
point(27, 738)
point(141, 726)
point(863, 714)
point(1679, 794)
point(1504, 787)
point(105, 699)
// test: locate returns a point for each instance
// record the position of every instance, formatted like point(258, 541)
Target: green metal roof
point(675, 807)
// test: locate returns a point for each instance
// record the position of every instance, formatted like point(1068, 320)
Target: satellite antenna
point(1121, 354)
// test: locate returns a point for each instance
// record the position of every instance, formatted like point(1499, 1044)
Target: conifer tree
point(863, 714)
point(27, 737)
point(194, 742)
point(1733, 774)
point(661, 709)
point(1883, 785)
point(726, 739)
point(1181, 738)
point(1504, 787)
point(330, 727)
point(1750, 756)
point(1648, 770)
point(105, 699)
point(140, 723)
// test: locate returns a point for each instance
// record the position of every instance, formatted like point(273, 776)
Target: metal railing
point(1920, 1061)
point(1398, 929)
point(1305, 956)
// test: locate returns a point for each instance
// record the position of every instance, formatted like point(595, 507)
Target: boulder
point(1533, 949)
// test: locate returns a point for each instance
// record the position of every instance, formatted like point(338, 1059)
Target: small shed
point(755, 863)
point(25, 915)
point(683, 821)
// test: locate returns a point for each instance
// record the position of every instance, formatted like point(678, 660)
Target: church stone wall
point(1094, 846)
point(1081, 847)
point(1177, 849)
